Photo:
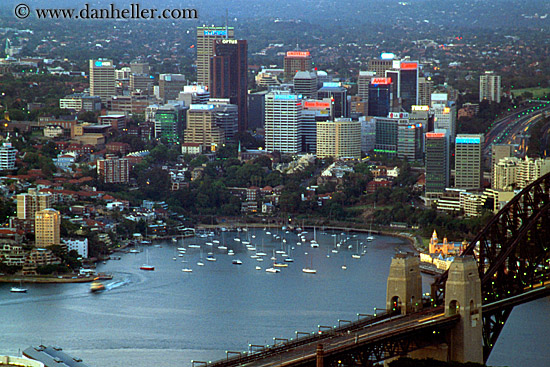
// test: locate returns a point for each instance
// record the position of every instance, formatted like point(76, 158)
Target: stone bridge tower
point(404, 290)
point(463, 296)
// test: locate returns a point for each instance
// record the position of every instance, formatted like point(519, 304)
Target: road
point(344, 340)
point(514, 129)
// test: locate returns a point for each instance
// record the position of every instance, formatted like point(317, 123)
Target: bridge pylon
point(404, 289)
point(463, 296)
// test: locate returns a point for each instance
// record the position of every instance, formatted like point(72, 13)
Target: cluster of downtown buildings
point(395, 112)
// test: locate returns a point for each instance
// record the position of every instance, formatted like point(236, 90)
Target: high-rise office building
point(422, 115)
point(368, 133)
point(379, 66)
point(309, 131)
point(395, 77)
point(170, 86)
point(425, 88)
point(380, 97)
point(437, 162)
point(122, 80)
point(468, 161)
point(357, 107)
point(340, 138)
point(47, 227)
point(363, 82)
point(169, 122)
point(7, 157)
point(226, 116)
point(123, 74)
point(266, 79)
point(205, 49)
point(295, 61)
point(313, 111)
point(408, 84)
point(228, 75)
point(409, 140)
point(387, 133)
point(444, 111)
point(256, 110)
point(141, 83)
point(339, 96)
point(202, 127)
point(137, 67)
point(194, 94)
point(498, 152)
point(283, 122)
point(102, 79)
point(489, 87)
point(305, 83)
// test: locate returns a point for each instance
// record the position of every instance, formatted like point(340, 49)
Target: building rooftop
point(52, 356)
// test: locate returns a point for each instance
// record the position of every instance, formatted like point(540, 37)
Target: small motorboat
point(97, 287)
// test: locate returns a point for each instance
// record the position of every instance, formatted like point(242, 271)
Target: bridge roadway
point(343, 339)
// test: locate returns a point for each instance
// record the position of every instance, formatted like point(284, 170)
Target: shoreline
point(411, 239)
point(43, 279)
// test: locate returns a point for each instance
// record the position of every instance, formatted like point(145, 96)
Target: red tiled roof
point(43, 182)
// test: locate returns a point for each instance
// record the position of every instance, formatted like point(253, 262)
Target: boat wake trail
point(118, 284)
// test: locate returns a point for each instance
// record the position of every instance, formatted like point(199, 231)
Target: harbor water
point(170, 317)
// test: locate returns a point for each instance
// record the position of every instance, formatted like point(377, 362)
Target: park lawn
point(366, 207)
point(537, 92)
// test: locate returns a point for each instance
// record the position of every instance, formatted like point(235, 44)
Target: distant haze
point(468, 13)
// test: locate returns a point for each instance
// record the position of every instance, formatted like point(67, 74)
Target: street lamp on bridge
point(257, 346)
point(341, 321)
point(301, 333)
point(228, 352)
point(276, 340)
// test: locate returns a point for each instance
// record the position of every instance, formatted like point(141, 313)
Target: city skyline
point(197, 147)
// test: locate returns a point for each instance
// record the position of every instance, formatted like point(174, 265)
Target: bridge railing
point(348, 327)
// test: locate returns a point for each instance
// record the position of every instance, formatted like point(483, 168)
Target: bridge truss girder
point(512, 252)
point(397, 345)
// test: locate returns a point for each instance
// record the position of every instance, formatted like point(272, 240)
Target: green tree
point(88, 116)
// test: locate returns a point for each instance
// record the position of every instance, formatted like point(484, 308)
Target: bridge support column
point(404, 290)
point(463, 296)
point(320, 355)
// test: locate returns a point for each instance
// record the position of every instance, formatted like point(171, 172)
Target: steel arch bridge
point(513, 257)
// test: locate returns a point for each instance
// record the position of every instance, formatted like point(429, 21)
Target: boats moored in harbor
point(147, 266)
point(309, 271)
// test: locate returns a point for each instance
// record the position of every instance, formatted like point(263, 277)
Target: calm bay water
point(169, 317)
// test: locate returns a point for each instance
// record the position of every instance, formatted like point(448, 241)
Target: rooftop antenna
point(226, 31)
